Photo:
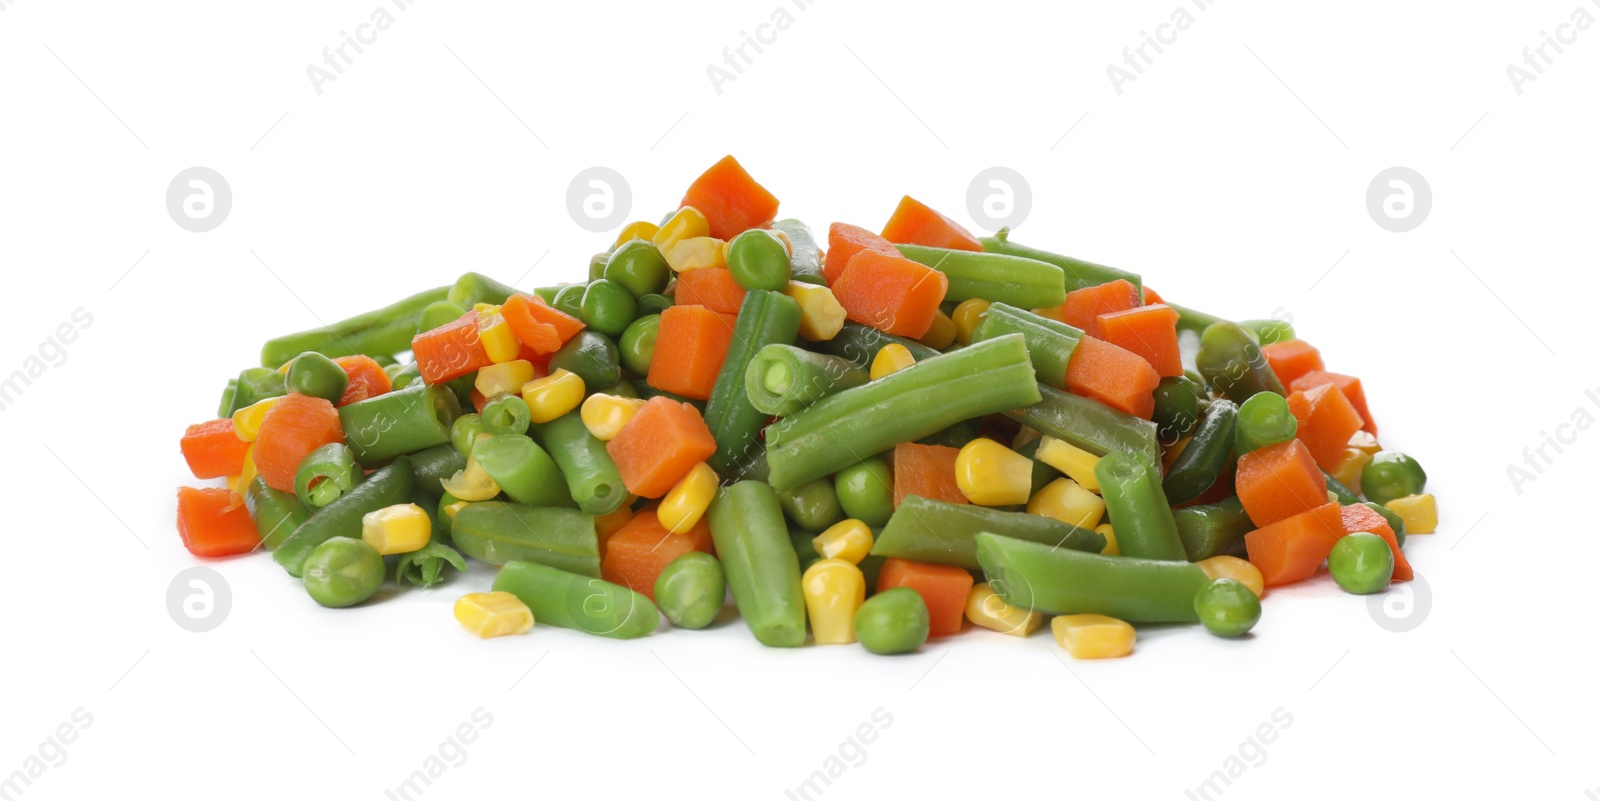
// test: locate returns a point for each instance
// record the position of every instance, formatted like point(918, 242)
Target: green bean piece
point(225, 406)
point(953, 437)
point(592, 477)
point(1227, 607)
point(1060, 581)
point(1396, 522)
point(690, 590)
point(387, 331)
point(276, 513)
point(437, 313)
point(1077, 273)
point(432, 465)
point(783, 379)
point(1131, 487)
point(1391, 475)
point(765, 318)
point(1088, 424)
point(343, 572)
point(474, 288)
point(813, 506)
point(256, 384)
point(762, 569)
point(639, 267)
point(1268, 332)
point(752, 468)
point(1361, 563)
point(995, 277)
point(425, 566)
point(325, 474)
point(638, 344)
point(407, 375)
point(858, 344)
point(607, 307)
point(1344, 494)
point(894, 621)
point(394, 423)
point(653, 303)
point(758, 260)
point(927, 530)
point(548, 293)
point(838, 430)
point(1177, 409)
point(569, 300)
point(1050, 343)
point(522, 469)
point(1194, 321)
point(1263, 420)
point(388, 486)
point(1208, 455)
point(592, 356)
point(464, 432)
point(392, 370)
point(574, 601)
point(506, 414)
point(647, 392)
point(1233, 364)
point(314, 374)
point(805, 264)
point(498, 532)
point(866, 491)
point(1212, 529)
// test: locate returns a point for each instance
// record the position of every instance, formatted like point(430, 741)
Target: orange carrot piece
point(914, 223)
point(212, 449)
point(1349, 385)
point(1151, 298)
point(1358, 517)
point(691, 345)
point(1292, 549)
point(1118, 378)
point(943, 588)
point(1151, 332)
point(711, 287)
point(846, 240)
point(298, 425)
point(1326, 420)
point(892, 294)
point(663, 441)
point(450, 351)
point(367, 378)
point(1291, 359)
point(928, 471)
point(730, 199)
point(537, 325)
point(1082, 306)
point(215, 522)
point(1279, 481)
point(638, 552)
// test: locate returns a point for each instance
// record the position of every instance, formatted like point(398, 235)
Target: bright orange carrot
point(846, 240)
point(215, 522)
point(943, 588)
point(212, 449)
point(537, 325)
point(1292, 549)
point(1326, 419)
point(731, 200)
point(367, 378)
point(892, 294)
point(711, 287)
point(1358, 517)
point(1149, 331)
point(1151, 298)
point(450, 351)
point(1118, 378)
point(691, 345)
point(638, 552)
point(1347, 384)
point(1279, 481)
point(914, 223)
point(298, 425)
point(663, 441)
point(1291, 359)
point(926, 470)
point(1082, 306)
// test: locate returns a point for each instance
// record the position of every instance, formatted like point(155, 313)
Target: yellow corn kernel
point(1170, 453)
point(1025, 435)
point(849, 540)
point(471, 483)
point(1064, 500)
point(891, 358)
point(696, 253)
point(821, 316)
point(967, 316)
point(1351, 462)
point(683, 505)
point(990, 474)
point(987, 609)
point(499, 342)
point(247, 474)
point(1111, 549)
point(503, 378)
point(1077, 463)
point(941, 334)
point(638, 229)
point(687, 223)
point(247, 421)
point(604, 415)
point(1235, 568)
point(1419, 512)
point(1092, 636)
point(553, 396)
point(1364, 441)
point(1333, 497)
point(834, 589)
point(486, 309)
point(493, 614)
point(401, 528)
point(609, 523)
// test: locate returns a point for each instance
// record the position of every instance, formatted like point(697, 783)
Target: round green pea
point(813, 505)
point(1227, 607)
point(638, 266)
point(1396, 522)
point(638, 344)
point(343, 572)
point(1390, 475)
point(866, 491)
point(894, 621)
point(591, 356)
point(314, 374)
point(1361, 563)
point(569, 300)
point(465, 430)
point(654, 303)
point(621, 389)
point(1177, 408)
point(608, 307)
point(597, 265)
point(690, 590)
point(759, 260)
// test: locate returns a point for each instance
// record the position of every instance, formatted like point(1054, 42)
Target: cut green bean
point(385, 426)
point(1208, 455)
point(1268, 332)
point(1078, 274)
point(425, 566)
point(574, 601)
point(857, 344)
point(762, 570)
point(1212, 529)
point(1264, 420)
point(498, 532)
point(927, 530)
point(325, 474)
point(1059, 581)
point(388, 486)
point(783, 379)
point(1131, 487)
point(1050, 342)
point(995, 277)
point(1233, 364)
point(805, 262)
point(256, 384)
point(276, 513)
point(765, 318)
point(1345, 495)
point(384, 331)
point(1088, 424)
point(506, 414)
point(437, 313)
point(474, 288)
point(592, 477)
point(522, 469)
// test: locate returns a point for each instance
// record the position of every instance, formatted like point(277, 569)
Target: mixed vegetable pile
point(912, 429)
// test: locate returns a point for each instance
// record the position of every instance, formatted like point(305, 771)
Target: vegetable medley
point(884, 439)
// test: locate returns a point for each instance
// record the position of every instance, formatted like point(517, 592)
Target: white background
point(1232, 174)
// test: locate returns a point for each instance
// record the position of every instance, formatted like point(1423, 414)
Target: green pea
point(654, 303)
point(465, 430)
point(314, 374)
point(866, 491)
point(343, 572)
point(894, 621)
point(813, 505)
point(690, 590)
point(1390, 475)
point(592, 356)
point(638, 266)
point(638, 344)
point(1177, 408)
point(548, 293)
point(621, 389)
point(569, 300)
point(439, 313)
point(1361, 563)
point(608, 307)
point(759, 260)
point(1227, 607)
point(597, 265)
point(1396, 522)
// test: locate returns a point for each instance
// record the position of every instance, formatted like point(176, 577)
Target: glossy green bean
point(1050, 342)
point(388, 486)
point(1344, 494)
point(927, 530)
point(1088, 424)
point(474, 288)
point(1263, 420)
point(523, 470)
point(1212, 529)
point(1208, 455)
point(762, 570)
point(1233, 364)
point(996, 277)
point(1077, 273)
point(783, 379)
point(857, 344)
point(1131, 488)
point(574, 601)
point(506, 414)
point(394, 423)
point(325, 474)
point(805, 262)
point(498, 532)
point(253, 385)
point(384, 331)
point(1059, 581)
point(276, 513)
point(765, 318)
point(425, 566)
point(592, 477)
